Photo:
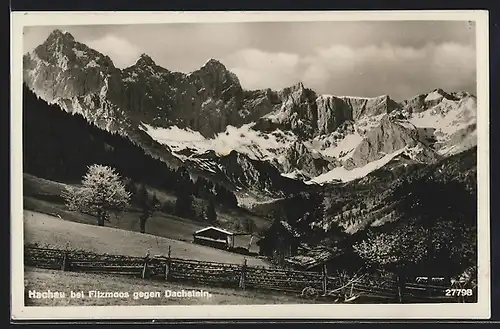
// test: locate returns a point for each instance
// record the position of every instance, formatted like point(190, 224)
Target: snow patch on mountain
point(343, 175)
point(173, 135)
point(469, 141)
point(92, 63)
point(80, 53)
point(336, 146)
point(296, 174)
point(447, 118)
point(276, 116)
point(255, 144)
point(354, 97)
point(433, 96)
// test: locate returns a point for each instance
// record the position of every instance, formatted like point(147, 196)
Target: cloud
point(364, 58)
point(399, 71)
point(374, 70)
point(258, 69)
point(120, 50)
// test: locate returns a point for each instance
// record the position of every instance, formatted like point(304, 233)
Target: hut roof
point(314, 257)
point(213, 228)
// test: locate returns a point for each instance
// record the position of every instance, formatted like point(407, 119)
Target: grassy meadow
point(44, 196)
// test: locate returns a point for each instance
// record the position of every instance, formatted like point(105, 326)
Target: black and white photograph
point(333, 166)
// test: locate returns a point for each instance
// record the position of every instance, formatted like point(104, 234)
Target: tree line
point(61, 146)
point(431, 212)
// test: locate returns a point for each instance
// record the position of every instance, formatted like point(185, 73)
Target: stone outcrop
point(208, 100)
point(389, 137)
point(299, 157)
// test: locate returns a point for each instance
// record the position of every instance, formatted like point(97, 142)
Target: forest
point(61, 146)
point(422, 221)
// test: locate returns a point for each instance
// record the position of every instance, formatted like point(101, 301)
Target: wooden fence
point(312, 284)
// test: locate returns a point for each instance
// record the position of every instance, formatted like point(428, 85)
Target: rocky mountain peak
point(428, 100)
point(145, 60)
point(293, 130)
point(212, 67)
point(62, 68)
point(440, 92)
point(59, 36)
point(296, 89)
point(214, 64)
point(299, 86)
point(61, 50)
point(213, 71)
point(462, 94)
point(57, 44)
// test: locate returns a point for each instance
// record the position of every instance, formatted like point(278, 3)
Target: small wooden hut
point(214, 237)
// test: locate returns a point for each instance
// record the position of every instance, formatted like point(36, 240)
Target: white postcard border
point(479, 310)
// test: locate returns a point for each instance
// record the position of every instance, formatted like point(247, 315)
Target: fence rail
point(239, 276)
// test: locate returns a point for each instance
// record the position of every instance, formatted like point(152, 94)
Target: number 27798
point(458, 292)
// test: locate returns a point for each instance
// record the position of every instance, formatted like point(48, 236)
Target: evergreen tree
point(211, 213)
point(140, 198)
point(225, 196)
point(131, 188)
point(184, 204)
point(147, 205)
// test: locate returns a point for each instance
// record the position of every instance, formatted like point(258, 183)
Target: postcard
point(250, 165)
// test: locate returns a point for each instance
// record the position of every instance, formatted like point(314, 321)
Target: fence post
point(64, 265)
point(242, 274)
point(325, 279)
point(429, 289)
point(401, 287)
point(168, 266)
point(145, 267)
point(65, 260)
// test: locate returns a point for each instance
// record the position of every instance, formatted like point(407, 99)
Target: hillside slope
point(373, 200)
point(43, 229)
point(59, 146)
point(201, 118)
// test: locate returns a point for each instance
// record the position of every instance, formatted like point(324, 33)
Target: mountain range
point(262, 144)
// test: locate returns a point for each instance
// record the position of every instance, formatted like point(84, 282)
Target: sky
point(344, 58)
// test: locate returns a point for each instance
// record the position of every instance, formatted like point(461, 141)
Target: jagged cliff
point(205, 118)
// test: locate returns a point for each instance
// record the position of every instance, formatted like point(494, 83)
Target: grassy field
point(47, 222)
point(159, 224)
point(52, 231)
point(43, 280)
point(44, 196)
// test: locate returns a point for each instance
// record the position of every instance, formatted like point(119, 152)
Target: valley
point(206, 121)
point(363, 175)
